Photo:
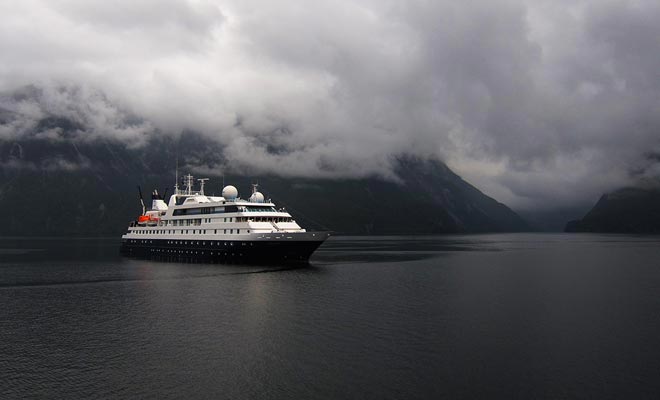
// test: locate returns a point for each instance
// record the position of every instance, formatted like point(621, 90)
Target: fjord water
point(509, 315)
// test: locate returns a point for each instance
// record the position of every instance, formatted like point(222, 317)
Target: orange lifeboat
point(143, 218)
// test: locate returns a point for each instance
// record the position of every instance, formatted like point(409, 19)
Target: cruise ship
point(193, 226)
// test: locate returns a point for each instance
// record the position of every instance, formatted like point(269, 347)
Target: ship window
point(215, 231)
point(225, 231)
point(231, 231)
point(259, 208)
point(238, 231)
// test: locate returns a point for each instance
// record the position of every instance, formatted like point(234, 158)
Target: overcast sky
point(538, 103)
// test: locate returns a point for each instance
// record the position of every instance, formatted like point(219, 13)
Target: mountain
point(628, 210)
point(554, 219)
point(430, 199)
point(62, 176)
point(67, 188)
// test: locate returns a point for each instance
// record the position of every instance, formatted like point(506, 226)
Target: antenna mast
point(189, 184)
point(201, 185)
point(176, 180)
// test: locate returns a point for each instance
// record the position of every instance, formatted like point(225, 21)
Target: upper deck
point(217, 215)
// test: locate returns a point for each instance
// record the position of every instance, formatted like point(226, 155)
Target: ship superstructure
point(226, 228)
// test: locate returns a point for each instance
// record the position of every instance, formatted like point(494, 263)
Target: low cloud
point(540, 103)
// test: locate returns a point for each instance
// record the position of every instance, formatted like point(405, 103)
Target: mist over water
point(509, 315)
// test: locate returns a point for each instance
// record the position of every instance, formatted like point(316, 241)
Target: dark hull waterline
point(222, 251)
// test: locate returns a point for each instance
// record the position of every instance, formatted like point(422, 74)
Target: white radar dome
point(229, 192)
point(257, 197)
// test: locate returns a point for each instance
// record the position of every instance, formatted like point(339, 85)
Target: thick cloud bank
point(538, 102)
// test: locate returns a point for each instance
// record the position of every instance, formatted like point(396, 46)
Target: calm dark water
point(508, 316)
